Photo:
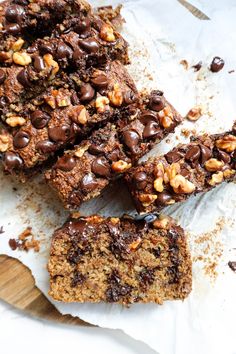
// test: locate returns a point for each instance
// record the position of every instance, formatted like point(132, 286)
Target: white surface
point(161, 34)
point(23, 335)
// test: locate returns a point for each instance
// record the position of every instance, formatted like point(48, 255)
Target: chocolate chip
point(12, 161)
point(74, 99)
point(232, 265)
point(197, 66)
point(78, 54)
point(131, 139)
point(38, 63)
point(163, 198)
point(78, 278)
point(157, 252)
point(45, 48)
point(87, 93)
point(116, 289)
point(95, 149)
point(99, 80)
point(88, 183)
point(83, 25)
point(39, 119)
point(46, 146)
point(173, 156)
point(224, 156)
point(13, 244)
point(65, 163)
point(217, 64)
point(3, 101)
point(21, 140)
point(140, 180)
point(13, 28)
point(147, 116)
point(90, 45)
point(101, 167)
point(63, 51)
point(193, 153)
point(146, 277)
point(2, 76)
point(156, 101)
point(14, 13)
point(59, 134)
point(206, 153)
point(23, 78)
point(151, 129)
point(130, 97)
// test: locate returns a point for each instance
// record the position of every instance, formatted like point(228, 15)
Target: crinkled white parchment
point(161, 34)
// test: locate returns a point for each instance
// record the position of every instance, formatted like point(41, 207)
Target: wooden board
point(17, 286)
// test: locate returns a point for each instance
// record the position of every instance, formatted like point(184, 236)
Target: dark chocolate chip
point(173, 156)
point(163, 198)
point(101, 167)
point(131, 139)
point(146, 277)
point(88, 183)
point(23, 78)
point(83, 25)
point(87, 93)
point(3, 101)
point(39, 119)
point(38, 63)
point(65, 163)
point(232, 265)
point(156, 101)
point(140, 179)
point(193, 153)
point(217, 64)
point(14, 13)
point(74, 99)
point(78, 53)
point(13, 28)
point(46, 146)
point(130, 97)
point(13, 244)
point(151, 130)
point(63, 51)
point(90, 45)
point(206, 153)
point(78, 278)
point(45, 48)
point(59, 134)
point(157, 252)
point(147, 116)
point(2, 76)
point(99, 80)
point(197, 66)
point(96, 149)
point(21, 140)
point(12, 161)
point(224, 157)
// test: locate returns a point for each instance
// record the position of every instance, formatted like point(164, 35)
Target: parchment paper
point(161, 34)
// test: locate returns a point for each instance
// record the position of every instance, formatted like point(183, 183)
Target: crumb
point(184, 63)
point(1, 230)
point(14, 189)
point(197, 66)
point(185, 132)
point(194, 113)
point(231, 71)
point(167, 141)
point(232, 265)
point(25, 241)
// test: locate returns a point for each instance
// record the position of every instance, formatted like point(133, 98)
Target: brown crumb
point(184, 63)
point(232, 265)
point(1, 230)
point(187, 132)
point(231, 71)
point(25, 241)
point(194, 114)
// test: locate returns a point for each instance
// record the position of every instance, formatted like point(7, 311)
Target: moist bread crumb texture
point(124, 261)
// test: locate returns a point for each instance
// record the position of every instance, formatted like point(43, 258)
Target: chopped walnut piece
point(166, 117)
point(227, 143)
point(21, 58)
point(15, 121)
point(194, 114)
point(216, 178)
point(181, 185)
point(172, 171)
point(81, 150)
point(120, 166)
point(134, 245)
point(185, 64)
point(116, 96)
point(4, 142)
point(51, 63)
point(228, 173)
point(158, 184)
point(147, 199)
point(107, 33)
point(17, 45)
point(162, 223)
point(102, 104)
point(213, 165)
